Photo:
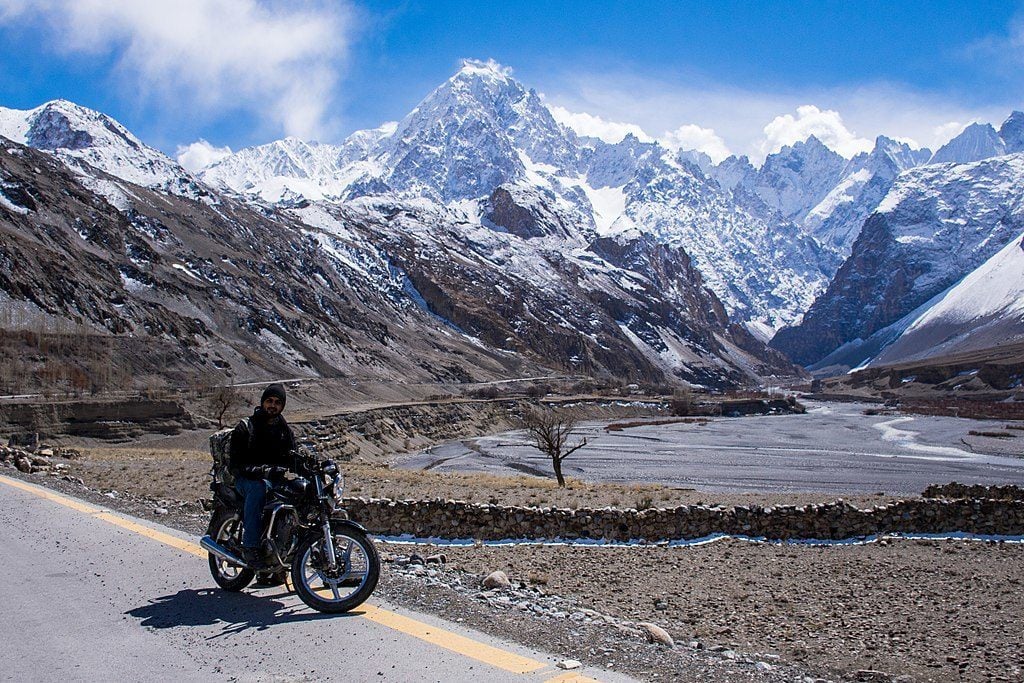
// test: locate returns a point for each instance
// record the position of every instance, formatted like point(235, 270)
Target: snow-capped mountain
point(479, 218)
point(798, 177)
point(866, 178)
point(1012, 132)
point(482, 138)
point(380, 287)
point(937, 224)
point(77, 134)
point(978, 141)
point(984, 310)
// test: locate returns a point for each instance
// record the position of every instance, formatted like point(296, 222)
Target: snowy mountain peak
point(480, 129)
point(796, 178)
point(1012, 132)
point(488, 70)
point(900, 155)
point(978, 141)
point(79, 134)
point(837, 219)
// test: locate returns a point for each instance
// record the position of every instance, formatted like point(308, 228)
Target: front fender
point(338, 523)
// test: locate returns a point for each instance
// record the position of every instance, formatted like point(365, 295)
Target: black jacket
point(265, 445)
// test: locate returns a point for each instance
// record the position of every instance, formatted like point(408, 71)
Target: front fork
point(332, 559)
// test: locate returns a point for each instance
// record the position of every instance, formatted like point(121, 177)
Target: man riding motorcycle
point(260, 451)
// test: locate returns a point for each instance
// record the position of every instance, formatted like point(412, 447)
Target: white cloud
point(825, 125)
point(200, 154)
point(273, 60)
point(738, 116)
point(949, 130)
point(596, 127)
point(690, 136)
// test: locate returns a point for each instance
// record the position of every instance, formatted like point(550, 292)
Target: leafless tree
point(221, 399)
point(549, 432)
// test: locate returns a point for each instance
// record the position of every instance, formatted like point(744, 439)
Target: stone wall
point(955, 490)
point(835, 521)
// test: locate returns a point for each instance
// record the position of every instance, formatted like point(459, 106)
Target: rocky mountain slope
point(983, 310)
point(396, 289)
point(478, 236)
point(937, 224)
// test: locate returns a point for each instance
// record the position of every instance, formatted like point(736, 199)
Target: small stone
point(416, 559)
point(440, 558)
point(763, 666)
point(496, 579)
point(656, 634)
point(160, 511)
point(569, 664)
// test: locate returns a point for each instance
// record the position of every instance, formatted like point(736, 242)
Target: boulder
point(496, 579)
point(656, 634)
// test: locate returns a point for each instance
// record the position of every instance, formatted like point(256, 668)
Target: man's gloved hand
point(275, 473)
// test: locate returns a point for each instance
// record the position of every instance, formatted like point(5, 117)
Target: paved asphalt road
point(92, 595)
point(835, 448)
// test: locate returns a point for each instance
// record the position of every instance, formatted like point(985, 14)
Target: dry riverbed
point(926, 610)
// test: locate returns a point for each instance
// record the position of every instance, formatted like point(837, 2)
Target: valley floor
point(927, 609)
point(835, 449)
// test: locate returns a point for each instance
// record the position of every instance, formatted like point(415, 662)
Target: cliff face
point(935, 226)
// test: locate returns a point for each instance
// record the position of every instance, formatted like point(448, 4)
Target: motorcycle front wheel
point(352, 580)
point(226, 529)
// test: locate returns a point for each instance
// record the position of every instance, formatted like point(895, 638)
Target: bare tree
point(549, 432)
point(221, 399)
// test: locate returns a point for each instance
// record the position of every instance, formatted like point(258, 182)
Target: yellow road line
point(99, 513)
point(166, 539)
point(571, 677)
point(509, 661)
point(50, 495)
point(502, 659)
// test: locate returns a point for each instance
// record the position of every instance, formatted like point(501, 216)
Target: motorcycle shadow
point(235, 612)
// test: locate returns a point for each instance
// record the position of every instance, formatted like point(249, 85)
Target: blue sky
point(724, 76)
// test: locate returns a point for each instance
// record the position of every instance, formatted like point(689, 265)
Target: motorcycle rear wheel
point(349, 585)
point(226, 529)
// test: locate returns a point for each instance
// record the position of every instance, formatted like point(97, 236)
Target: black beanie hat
point(276, 390)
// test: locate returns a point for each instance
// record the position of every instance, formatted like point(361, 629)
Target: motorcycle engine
point(281, 534)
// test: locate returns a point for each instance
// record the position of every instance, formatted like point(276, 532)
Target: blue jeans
point(254, 491)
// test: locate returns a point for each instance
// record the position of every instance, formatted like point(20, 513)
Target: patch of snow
point(187, 271)
point(11, 206)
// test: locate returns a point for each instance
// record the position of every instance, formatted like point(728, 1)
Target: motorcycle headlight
point(337, 486)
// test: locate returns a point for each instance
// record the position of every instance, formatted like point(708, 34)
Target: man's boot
point(270, 579)
point(253, 558)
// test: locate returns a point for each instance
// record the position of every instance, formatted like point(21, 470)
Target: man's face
point(273, 406)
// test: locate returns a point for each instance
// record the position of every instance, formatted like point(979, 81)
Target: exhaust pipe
point(211, 546)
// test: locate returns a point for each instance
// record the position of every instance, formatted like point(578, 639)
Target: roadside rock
point(496, 579)
point(656, 634)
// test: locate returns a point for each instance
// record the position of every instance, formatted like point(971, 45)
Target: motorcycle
point(334, 565)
